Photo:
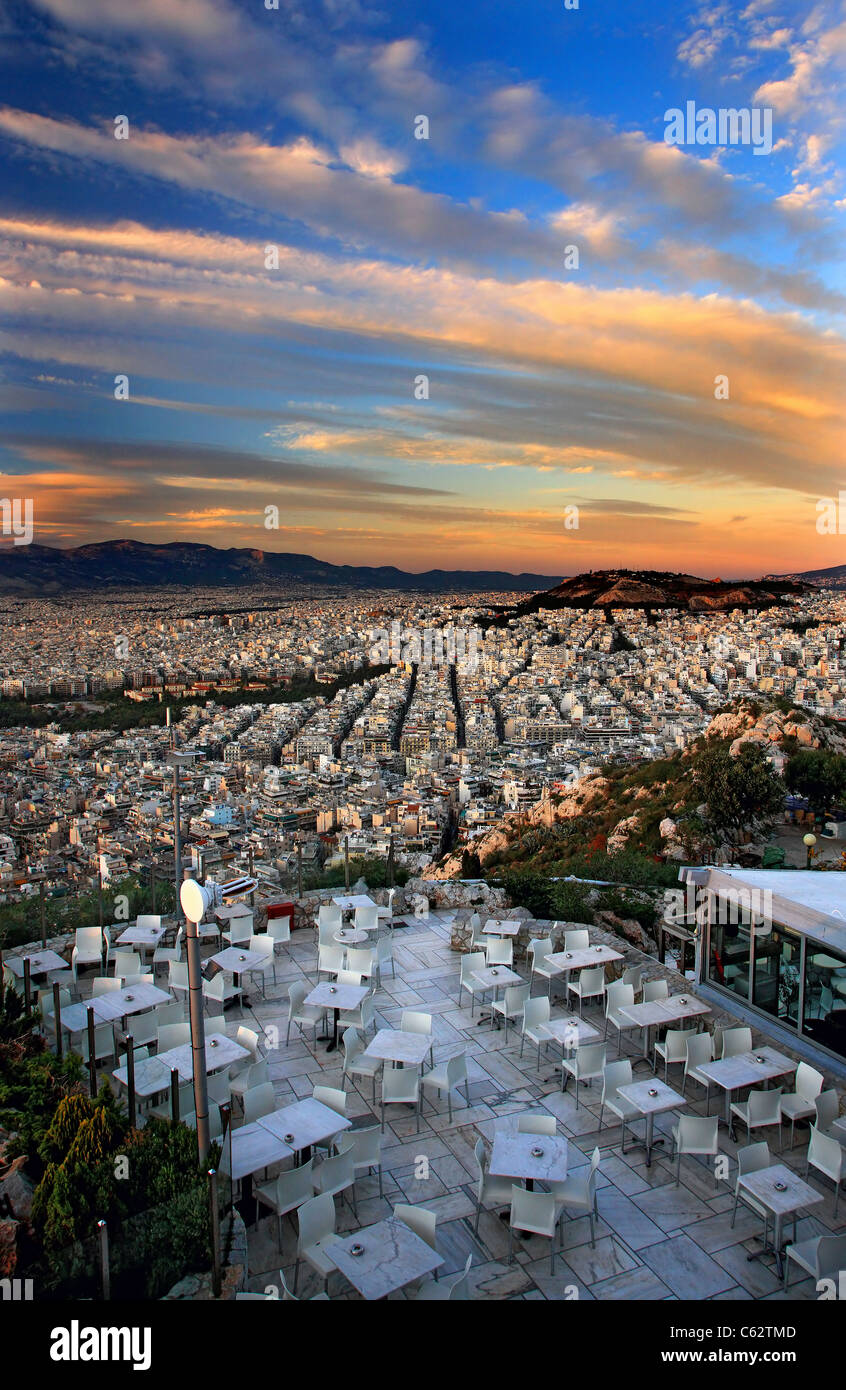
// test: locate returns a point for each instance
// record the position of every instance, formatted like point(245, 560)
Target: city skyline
point(232, 309)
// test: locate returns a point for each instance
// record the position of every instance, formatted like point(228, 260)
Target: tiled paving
point(653, 1240)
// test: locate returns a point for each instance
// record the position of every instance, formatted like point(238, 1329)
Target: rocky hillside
point(641, 808)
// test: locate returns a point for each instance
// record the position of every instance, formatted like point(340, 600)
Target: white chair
point(578, 1192)
point(823, 1257)
point(364, 1017)
point(143, 1029)
point(259, 1101)
point(615, 1075)
point(827, 1110)
point(326, 933)
point(367, 918)
point(363, 961)
point(655, 989)
point(453, 1290)
point(330, 959)
point(473, 961)
point(753, 1158)
point(163, 1110)
point(367, 1150)
point(222, 989)
point(618, 996)
point(215, 1122)
point(255, 1075)
point(536, 1214)
point(760, 1110)
point(413, 1021)
point(289, 1191)
point(104, 1044)
point(355, 1063)
point(171, 1034)
point(478, 935)
point(826, 1156)
point(499, 951)
point(576, 939)
point(170, 1013)
point(127, 963)
point(537, 1123)
point(584, 1065)
point(240, 929)
point(540, 948)
point(335, 1176)
point(279, 931)
point(301, 1015)
point(401, 1086)
point(495, 1192)
point(46, 1010)
point(384, 956)
point(510, 1005)
point(695, 1134)
point(177, 978)
point(422, 1222)
point(331, 1096)
point(448, 1077)
point(735, 1041)
point(164, 955)
point(673, 1049)
point(105, 984)
point(316, 1221)
point(634, 977)
point(536, 1013)
point(699, 1052)
point(590, 984)
point(329, 915)
point(262, 946)
point(88, 947)
point(385, 914)
point(800, 1104)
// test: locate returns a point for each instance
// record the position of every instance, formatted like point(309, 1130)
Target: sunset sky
point(549, 386)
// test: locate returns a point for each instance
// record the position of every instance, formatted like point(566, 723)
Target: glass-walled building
point(776, 941)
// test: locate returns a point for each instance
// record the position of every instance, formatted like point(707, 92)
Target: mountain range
point(46, 570)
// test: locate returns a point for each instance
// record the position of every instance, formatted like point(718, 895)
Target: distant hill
point(653, 589)
point(46, 570)
point(833, 578)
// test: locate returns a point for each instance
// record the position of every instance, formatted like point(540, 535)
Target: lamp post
point(176, 760)
point(196, 899)
point(809, 841)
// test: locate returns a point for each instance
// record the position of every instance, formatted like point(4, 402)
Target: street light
point(196, 899)
point(176, 760)
point(809, 840)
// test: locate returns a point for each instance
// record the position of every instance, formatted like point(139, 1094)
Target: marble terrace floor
point(653, 1240)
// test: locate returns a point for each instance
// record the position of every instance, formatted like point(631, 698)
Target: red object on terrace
point(275, 910)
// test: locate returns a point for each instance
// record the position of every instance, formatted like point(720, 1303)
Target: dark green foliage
point(818, 775)
point(736, 790)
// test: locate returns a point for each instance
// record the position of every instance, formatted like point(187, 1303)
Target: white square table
point(307, 1122)
point(496, 977)
point(404, 1049)
point(141, 936)
point(651, 1098)
point(152, 1074)
point(352, 901)
point(351, 936)
point(254, 1146)
point(390, 1256)
point(118, 1003)
point(338, 998)
point(583, 958)
point(237, 961)
point(40, 963)
point(779, 1190)
point(659, 1012)
point(501, 926)
point(732, 1073)
point(513, 1156)
point(570, 1031)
